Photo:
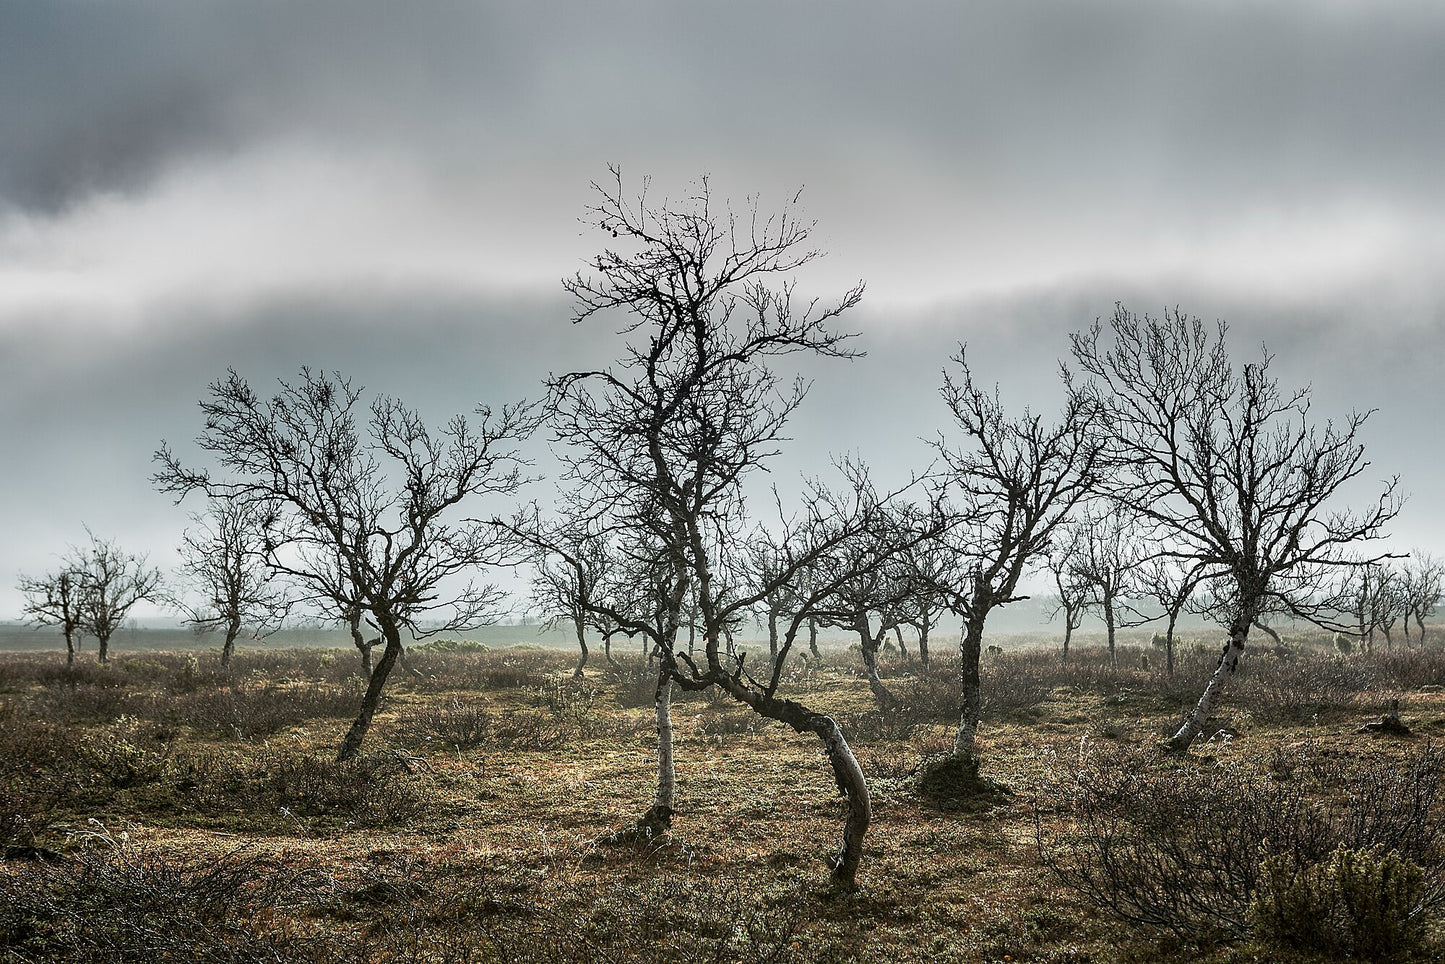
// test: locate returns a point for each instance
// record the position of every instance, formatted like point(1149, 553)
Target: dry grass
point(175, 808)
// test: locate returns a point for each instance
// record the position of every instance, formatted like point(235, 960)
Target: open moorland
point(158, 808)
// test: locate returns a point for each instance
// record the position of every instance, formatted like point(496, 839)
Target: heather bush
point(1187, 849)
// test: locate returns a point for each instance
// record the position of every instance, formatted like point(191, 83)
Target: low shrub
point(1358, 903)
point(1187, 849)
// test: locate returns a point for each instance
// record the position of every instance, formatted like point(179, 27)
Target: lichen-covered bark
point(970, 646)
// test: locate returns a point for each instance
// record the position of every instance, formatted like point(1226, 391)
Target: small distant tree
point(1229, 472)
point(54, 599)
point(1421, 586)
point(112, 582)
point(223, 560)
point(364, 520)
point(566, 585)
point(1171, 583)
point(1071, 592)
point(1106, 563)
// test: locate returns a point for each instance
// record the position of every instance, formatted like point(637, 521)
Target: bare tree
point(1071, 593)
point(1372, 597)
point(1106, 562)
point(1422, 586)
point(925, 563)
point(658, 447)
point(54, 599)
point(1230, 473)
point(565, 585)
point(223, 559)
point(1171, 583)
point(363, 522)
point(112, 582)
point(1014, 482)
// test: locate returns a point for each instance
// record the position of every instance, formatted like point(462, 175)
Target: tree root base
point(954, 784)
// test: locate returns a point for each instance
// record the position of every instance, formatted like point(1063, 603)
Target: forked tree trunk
point(582, 647)
point(351, 745)
point(1228, 663)
point(362, 644)
point(869, 645)
point(898, 635)
point(970, 701)
point(658, 817)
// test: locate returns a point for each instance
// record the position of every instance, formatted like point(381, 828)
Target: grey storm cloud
point(392, 190)
point(1269, 99)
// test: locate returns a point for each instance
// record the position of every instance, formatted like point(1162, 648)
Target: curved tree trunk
point(772, 637)
point(1268, 632)
point(607, 649)
point(351, 744)
point(813, 639)
point(970, 701)
point(854, 788)
point(1228, 663)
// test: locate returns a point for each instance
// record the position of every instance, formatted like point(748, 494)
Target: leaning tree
point(658, 446)
point(363, 517)
point(1231, 475)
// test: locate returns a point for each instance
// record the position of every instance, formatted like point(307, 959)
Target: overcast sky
point(393, 190)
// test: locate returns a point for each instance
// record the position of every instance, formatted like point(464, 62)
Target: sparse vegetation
point(483, 826)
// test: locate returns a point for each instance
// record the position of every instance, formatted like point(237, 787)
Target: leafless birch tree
point(1230, 473)
point(363, 520)
point(223, 559)
point(657, 446)
point(1013, 482)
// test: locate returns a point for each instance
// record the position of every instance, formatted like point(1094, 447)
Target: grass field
point(157, 808)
